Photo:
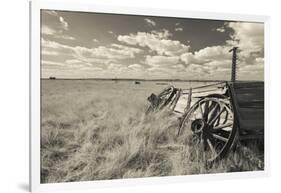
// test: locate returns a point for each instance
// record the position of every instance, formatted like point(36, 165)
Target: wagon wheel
point(213, 126)
point(166, 96)
point(161, 100)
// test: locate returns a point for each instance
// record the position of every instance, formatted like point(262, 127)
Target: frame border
point(34, 95)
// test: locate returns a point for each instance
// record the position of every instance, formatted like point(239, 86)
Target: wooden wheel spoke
point(217, 116)
point(211, 147)
point(223, 126)
point(206, 111)
point(201, 110)
point(216, 136)
point(217, 122)
point(213, 111)
point(226, 117)
point(221, 131)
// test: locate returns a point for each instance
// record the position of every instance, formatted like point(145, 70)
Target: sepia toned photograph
point(133, 96)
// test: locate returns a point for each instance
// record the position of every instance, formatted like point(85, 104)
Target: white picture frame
point(35, 8)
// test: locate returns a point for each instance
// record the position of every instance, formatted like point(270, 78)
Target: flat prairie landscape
point(98, 130)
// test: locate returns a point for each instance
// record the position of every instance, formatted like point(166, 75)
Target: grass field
point(97, 130)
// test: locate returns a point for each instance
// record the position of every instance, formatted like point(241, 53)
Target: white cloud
point(156, 41)
point(51, 12)
point(260, 60)
point(221, 29)
point(222, 64)
point(64, 24)
point(214, 53)
point(52, 46)
point(104, 52)
point(49, 53)
point(66, 37)
point(129, 51)
point(197, 71)
point(77, 63)
point(167, 56)
point(47, 30)
point(207, 55)
point(150, 22)
point(52, 63)
point(217, 59)
point(87, 62)
point(249, 37)
point(116, 67)
point(162, 34)
point(158, 70)
point(249, 68)
point(73, 61)
point(47, 64)
point(213, 62)
point(162, 61)
point(135, 66)
point(100, 55)
point(58, 29)
point(189, 58)
point(178, 29)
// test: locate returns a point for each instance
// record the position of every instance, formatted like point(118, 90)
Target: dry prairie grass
point(97, 131)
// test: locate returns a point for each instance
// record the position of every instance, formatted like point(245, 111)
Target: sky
point(97, 45)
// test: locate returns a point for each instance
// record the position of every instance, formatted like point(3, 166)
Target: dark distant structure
point(137, 82)
point(234, 63)
point(52, 78)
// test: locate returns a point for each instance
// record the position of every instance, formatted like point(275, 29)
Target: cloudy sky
point(89, 45)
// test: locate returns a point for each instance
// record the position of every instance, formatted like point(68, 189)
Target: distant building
point(52, 77)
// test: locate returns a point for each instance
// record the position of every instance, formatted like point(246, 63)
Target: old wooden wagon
point(219, 114)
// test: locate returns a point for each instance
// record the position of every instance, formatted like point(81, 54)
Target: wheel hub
point(200, 127)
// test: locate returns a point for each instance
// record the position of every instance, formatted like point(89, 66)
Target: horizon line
point(139, 79)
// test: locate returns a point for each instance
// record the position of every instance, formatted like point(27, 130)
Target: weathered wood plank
point(246, 85)
point(253, 104)
point(248, 98)
point(179, 93)
point(251, 136)
point(188, 101)
point(258, 92)
point(250, 125)
point(251, 113)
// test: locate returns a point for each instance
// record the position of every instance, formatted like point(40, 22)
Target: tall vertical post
point(234, 62)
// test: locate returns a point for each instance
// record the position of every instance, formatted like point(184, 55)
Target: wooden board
point(198, 93)
point(248, 100)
